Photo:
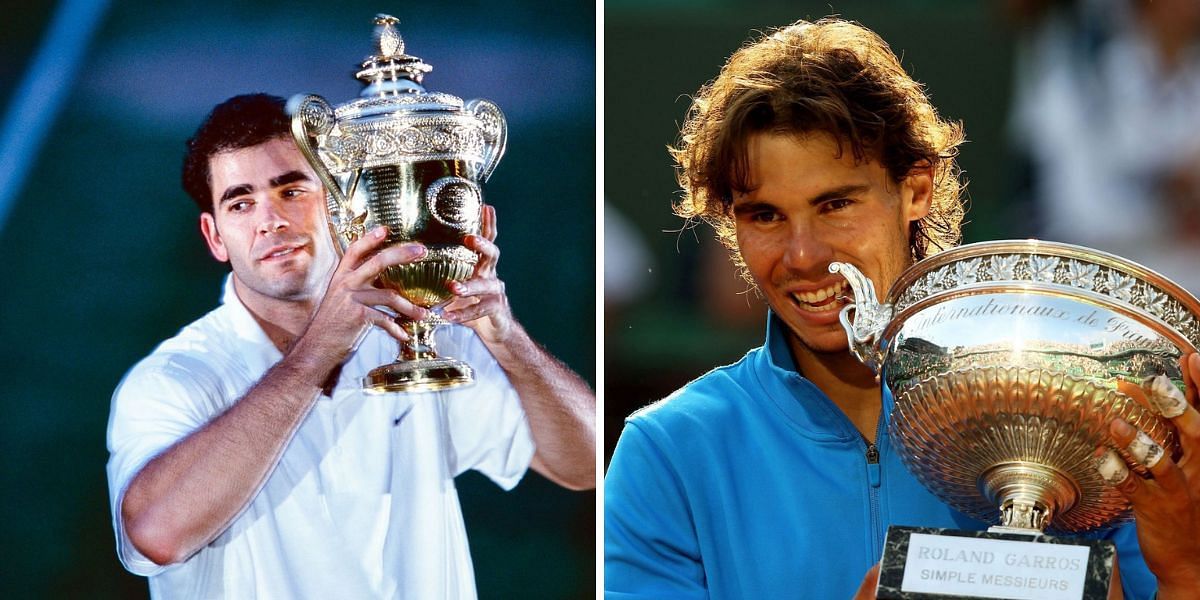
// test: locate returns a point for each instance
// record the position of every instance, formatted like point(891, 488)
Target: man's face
point(809, 207)
point(268, 221)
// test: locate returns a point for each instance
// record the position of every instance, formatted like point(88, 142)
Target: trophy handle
point(870, 317)
point(313, 118)
point(495, 133)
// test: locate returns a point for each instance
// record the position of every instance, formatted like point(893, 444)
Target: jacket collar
point(802, 402)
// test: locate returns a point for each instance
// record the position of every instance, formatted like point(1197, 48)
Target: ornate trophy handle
point(495, 133)
point(870, 317)
point(312, 119)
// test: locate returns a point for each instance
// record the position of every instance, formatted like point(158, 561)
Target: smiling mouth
point(282, 252)
point(821, 300)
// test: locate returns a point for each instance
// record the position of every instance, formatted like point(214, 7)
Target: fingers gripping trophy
point(411, 160)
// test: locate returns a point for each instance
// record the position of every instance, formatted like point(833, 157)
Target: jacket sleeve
point(650, 544)
point(1136, 579)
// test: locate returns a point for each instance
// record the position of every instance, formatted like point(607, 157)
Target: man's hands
point(559, 405)
point(482, 304)
point(349, 306)
point(866, 590)
point(1167, 507)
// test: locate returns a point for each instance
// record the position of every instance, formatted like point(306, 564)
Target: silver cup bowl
point(1004, 360)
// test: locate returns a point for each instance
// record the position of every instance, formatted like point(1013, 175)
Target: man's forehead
point(261, 161)
point(279, 148)
point(271, 164)
point(812, 160)
point(820, 141)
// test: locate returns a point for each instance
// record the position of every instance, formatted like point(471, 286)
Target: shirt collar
point(245, 326)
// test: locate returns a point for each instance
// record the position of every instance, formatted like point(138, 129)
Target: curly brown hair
point(833, 76)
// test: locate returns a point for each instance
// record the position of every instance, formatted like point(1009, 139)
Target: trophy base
point(425, 375)
point(927, 563)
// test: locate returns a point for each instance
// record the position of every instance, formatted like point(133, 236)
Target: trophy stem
point(1028, 494)
point(418, 368)
point(421, 345)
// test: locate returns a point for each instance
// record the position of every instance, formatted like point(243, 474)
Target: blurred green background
point(685, 310)
point(105, 258)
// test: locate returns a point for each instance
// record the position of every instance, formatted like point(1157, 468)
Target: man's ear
point(208, 227)
point(917, 193)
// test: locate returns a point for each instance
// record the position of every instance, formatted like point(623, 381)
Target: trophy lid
point(395, 120)
point(391, 70)
point(392, 79)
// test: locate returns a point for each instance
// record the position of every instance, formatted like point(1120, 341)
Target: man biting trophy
point(828, 173)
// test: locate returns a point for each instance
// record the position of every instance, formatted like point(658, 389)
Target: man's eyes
point(238, 206)
point(765, 216)
point(835, 204)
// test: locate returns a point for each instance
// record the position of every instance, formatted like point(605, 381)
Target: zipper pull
point(873, 472)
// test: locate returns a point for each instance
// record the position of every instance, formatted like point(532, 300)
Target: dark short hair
point(830, 76)
point(239, 122)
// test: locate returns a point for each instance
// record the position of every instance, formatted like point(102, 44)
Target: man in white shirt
point(245, 459)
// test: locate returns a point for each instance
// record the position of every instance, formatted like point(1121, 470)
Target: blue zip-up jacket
point(750, 483)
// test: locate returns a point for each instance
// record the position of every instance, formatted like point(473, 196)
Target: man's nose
point(274, 219)
point(807, 252)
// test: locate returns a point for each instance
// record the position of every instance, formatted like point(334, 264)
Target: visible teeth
point(806, 299)
point(810, 308)
point(282, 252)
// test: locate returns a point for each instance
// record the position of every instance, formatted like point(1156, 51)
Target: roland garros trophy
point(1004, 360)
point(412, 160)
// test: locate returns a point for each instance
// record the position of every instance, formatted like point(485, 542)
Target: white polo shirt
point(362, 503)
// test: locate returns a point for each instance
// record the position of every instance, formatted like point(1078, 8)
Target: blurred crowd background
point(104, 258)
point(1081, 119)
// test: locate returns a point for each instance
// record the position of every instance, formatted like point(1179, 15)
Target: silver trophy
point(1004, 360)
point(412, 160)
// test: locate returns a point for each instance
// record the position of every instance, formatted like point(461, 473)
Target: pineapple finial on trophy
point(388, 39)
point(388, 72)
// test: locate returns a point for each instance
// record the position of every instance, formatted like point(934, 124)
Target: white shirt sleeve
point(488, 427)
point(158, 403)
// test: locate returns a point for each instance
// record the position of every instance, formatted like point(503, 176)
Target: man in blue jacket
point(774, 477)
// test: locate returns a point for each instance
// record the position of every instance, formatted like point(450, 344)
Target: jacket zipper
point(875, 479)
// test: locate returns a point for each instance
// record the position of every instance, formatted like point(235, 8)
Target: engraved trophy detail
point(412, 160)
point(1004, 360)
